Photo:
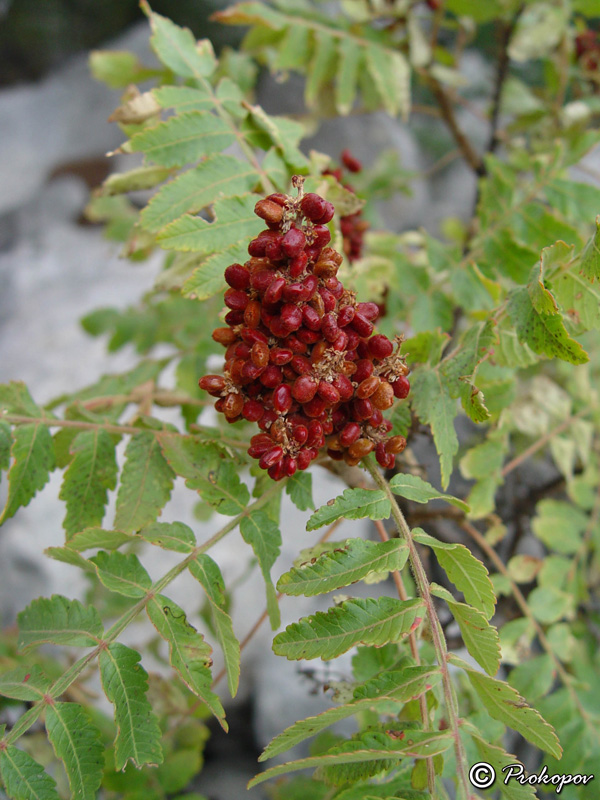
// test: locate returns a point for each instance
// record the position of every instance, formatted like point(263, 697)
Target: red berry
point(293, 243)
point(401, 387)
point(327, 215)
point(281, 355)
point(310, 318)
point(297, 265)
point(329, 327)
point(345, 316)
point(350, 434)
point(274, 291)
point(301, 365)
point(304, 388)
point(307, 336)
point(315, 434)
point(234, 317)
point(364, 368)
point(362, 409)
point(344, 387)
point(329, 300)
point(300, 434)
point(295, 293)
point(350, 162)
point(328, 392)
point(291, 316)
point(237, 276)
point(213, 384)
point(282, 398)
point(315, 407)
point(380, 346)
point(362, 325)
point(322, 236)
point(303, 459)
point(368, 310)
point(252, 410)
point(290, 466)
point(271, 377)
point(313, 206)
point(270, 457)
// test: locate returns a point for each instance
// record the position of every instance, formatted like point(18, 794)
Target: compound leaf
point(59, 620)
point(343, 566)
point(24, 683)
point(122, 573)
point(125, 683)
point(33, 459)
point(175, 536)
point(299, 488)
point(77, 743)
point(177, 48)
point(264, 537)
point(414, 488)
point(24, 778)
point(182, 139)
point(328, 634)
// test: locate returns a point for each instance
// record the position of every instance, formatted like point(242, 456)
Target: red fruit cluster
point(302, 359)
point(352, 226)
point(587, 50)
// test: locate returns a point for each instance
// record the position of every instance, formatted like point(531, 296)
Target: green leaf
point(321, 69)
point(87, 480)
point(480, 638)
point(177, 48)
point(544, 333)
point(208, 574)
point(125, 683)
point(99, 537)
point(465, 571)
point(184, 98)
point(118, 68)
point(506, 705)
point(122, 573)
point(5, 443)
point(146, 483)
point(434, 406)
point(498, 758)
point(189, 653)
point(352, 504)
point(33, 459)
point(299, 488)
point(77, 743)
point(391, 74)
point(534, 678)
point(60, 621)
point(208, 280)
point(15, 399)
point(343, 566)
point(235, 221)
point(170, 535)
point(208, 469)
point(24, 683)
point(135, 180)
point(414, 488)
point(182, 139)
point(349, 57)
point(24, 778)
point(328, 634)
point(374, 747)
point(385, 695)
point(264, 537)
point(589, 266)
point(559, 525)
point(216, 177)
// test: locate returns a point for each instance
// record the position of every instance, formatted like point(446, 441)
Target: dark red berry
point(313, 206)
point(401, 387)
point(380, 346)
point(293, 243)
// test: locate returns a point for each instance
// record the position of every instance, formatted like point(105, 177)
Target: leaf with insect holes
point(77, 743)
point(347, 564)
point(352, 504)
point(146, 483)
point(480, 638)
point(328, 634)
point(465, 571)
point(33, 459)
point(506, 705)
point(371, 746)
point(175, 536)
point(190, 654)
point(216, 177)
point(59, 620)
point(24, 778)
point(183, 139)
point(385, 694)
point(208, 574)
point(88, 479)
point(125, 683)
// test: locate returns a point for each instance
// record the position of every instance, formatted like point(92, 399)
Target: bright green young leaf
point(414, 488)
point(480, 638)
point(146, 483)
point(208, 574)
point(328, 634)
point(77, 743)
point(506, 705)
point(87, 480)
point(264, 537)
point(465, 571)
point(177, 48)
point(170, 535)
point(24, 778)
point(183, 139)
point(352, 504)
point(89, 538)
point(234, 221)
point(216, 177)
point(343, 566)
point(24, 683)
point(374, 747)
point(122, 573)
point(190, 655)
point(125, 683)
point(299, 488)
point(208, 280)
point(386, 695)
point(33, 459)
point(59, 621)
point(499, 758)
